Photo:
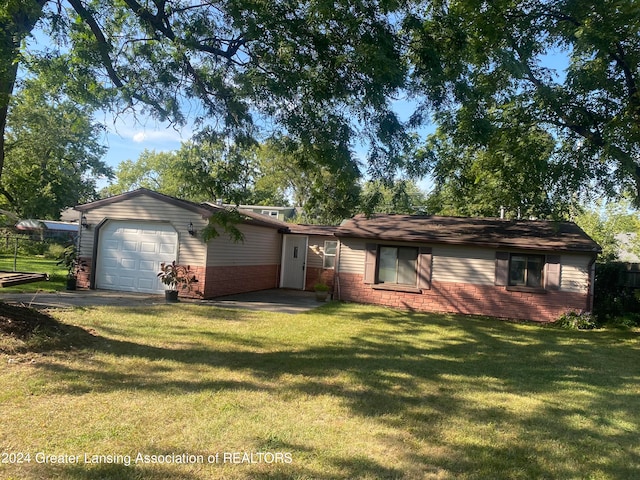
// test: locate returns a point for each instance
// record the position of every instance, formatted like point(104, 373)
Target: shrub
point(576, 321)
point(55, 251)
point(614, 302)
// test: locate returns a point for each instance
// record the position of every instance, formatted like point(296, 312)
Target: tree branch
point(103, 44)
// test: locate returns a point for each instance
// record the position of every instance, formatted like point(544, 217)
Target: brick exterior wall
point(464, 298)
point(221, 281)
point(314, 274)
point(83, 276)
point(216, 281)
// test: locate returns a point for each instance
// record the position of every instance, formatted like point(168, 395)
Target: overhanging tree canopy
point(315, 69)
point(321, 71)
point(474, 58)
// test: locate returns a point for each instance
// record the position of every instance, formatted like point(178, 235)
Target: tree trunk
point(8, 72)
point(21, 16)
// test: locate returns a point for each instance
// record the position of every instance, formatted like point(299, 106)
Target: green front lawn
point(32, 264)
point(345, 391)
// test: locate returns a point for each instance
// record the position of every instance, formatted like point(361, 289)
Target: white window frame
point(326, 255)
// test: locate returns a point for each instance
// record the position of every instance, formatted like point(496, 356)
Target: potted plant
point(175, 277)
point(322, 290)
point(69, 258)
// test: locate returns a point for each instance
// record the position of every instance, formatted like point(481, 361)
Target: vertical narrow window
point(330, 248)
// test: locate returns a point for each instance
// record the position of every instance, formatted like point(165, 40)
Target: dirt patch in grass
point(24, 329)
point(21, 322)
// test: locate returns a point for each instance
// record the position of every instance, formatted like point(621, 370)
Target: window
point(329, 260)
point(398, 265)
point(270, 213)
point(396, 268)
point(526, 270)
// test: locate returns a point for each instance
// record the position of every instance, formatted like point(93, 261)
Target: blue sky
point(127, 137)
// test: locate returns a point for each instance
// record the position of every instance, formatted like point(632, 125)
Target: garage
point(130, 254)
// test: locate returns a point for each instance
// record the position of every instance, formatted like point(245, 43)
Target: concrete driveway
point(276, 300)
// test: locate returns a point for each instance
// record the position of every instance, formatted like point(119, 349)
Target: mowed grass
point(32, 264)
point(344, 391)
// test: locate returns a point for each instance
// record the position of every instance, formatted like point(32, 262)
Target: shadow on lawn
point(115, 471)
point(425, 389)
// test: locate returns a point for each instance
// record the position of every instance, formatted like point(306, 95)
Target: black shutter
point(370, 257)
point(502, 268)
point(424, 267)
point(552, 272)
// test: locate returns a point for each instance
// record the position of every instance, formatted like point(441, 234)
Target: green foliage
point(321, 286)
point(615, 303)
point(228, 221)
point(576, 321)
point(402, 197)
point(606, 221)
point(70, 260)
point(54, 251)
point(319, 72)
point(204, 169)
point(158, 171)
point(308, 175)
point(52, 154)
point(471, 61)
point(513, 167)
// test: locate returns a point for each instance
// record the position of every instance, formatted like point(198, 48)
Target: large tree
point(324, 195)
point(471, 58)
point(159, 171)
point(314, 69)
point(516, 168)
point(204, 169)
point(53, 154)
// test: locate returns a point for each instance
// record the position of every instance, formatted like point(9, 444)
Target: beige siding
point(191, 251)
point(574, 273)
point(261, 246)
point(464, 265)
point(457, 264)
point(351, 255)
point(315, 256)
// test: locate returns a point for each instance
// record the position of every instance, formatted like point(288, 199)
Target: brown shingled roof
point(304, 229)
point(205, 209)
point(485, 232)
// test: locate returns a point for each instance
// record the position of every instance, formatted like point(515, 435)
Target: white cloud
point(139, 137)
point(147, 136)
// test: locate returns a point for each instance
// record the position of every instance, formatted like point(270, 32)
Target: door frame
point(286, 264)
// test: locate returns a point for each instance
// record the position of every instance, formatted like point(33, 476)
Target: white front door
point(130, 254)
point(294, 261)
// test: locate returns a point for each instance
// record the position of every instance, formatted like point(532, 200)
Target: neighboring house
point(49, 229)
point(534, 270)
point(127, 237)
point(279, 213)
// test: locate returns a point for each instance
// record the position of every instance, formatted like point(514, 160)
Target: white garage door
point(130, 254)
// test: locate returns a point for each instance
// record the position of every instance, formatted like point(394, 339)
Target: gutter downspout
point(336, 273)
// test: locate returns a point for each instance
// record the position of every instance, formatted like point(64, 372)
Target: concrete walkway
point(276, 300)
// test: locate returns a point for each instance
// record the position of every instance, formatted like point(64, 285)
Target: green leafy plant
point(70, 260)
point(576, 321)
point(321, 286)
point(176, 276)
